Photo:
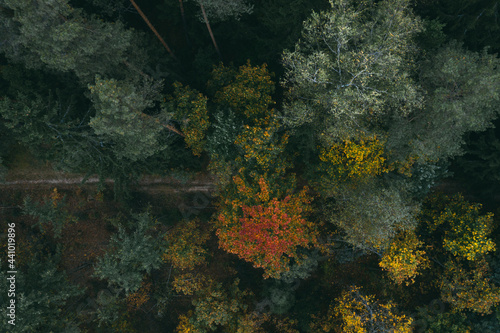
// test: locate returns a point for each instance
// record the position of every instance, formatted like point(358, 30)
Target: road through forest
point(146, 182)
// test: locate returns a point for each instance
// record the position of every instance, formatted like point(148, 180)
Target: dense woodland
point(349, 150)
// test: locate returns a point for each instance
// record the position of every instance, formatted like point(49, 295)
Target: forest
point(250, 166)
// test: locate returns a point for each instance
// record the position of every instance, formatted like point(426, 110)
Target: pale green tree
point(120, 119)
point(462, 95)
point(371, 214)
point(351, 68)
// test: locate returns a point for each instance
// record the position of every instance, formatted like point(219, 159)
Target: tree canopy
point(250, 166)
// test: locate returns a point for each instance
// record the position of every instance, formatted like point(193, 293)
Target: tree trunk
point(184, 22)
point(153, 29)
point(209, 28)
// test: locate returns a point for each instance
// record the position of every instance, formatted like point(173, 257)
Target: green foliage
point(119, 117)
point(111, 7)
point(281, 296)
point(131, 255)
point(282, 22)
point(432, 36)
point(371, 91)
point(354, 70)
point(43, 296)
point(482, 160)
point(424, 176)
point(54, 34)
point(490, 324)
point(445, 322)
point(190, 109)
point(52, 212)
point(372, 214)
point(32, 118)
point(461, 97)
point(52, 123)
point(109, 307)
point(221, 10)
point(223, 133)
point(217, 306)
point(214, 305)
point(304, 269)
point(469, 289)
point(112, 312)
point(3, 171)
point(351, 68)
point(474, 22)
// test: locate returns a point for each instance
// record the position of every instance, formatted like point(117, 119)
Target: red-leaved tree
point(268, 233)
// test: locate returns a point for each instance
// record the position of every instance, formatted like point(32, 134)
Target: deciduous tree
point(351, 68)
point(352, 161)
point(359, 313)
point(460, 226)
point(215, 306)
point(404, 258)
point(269, 234)
point(185, 245)
point(189, 107)
point(461, 97)
point(459, 236)
point(469, 288)
point(372, 214)
point(260, 218)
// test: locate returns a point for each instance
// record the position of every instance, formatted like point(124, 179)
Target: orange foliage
point(259, 218)
point(55, 197)
point(268, 233)
point(138, 298)
point(184, 325)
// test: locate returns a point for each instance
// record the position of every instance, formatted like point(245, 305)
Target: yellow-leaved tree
point(354, 159)
point(404, 257)
point(459, 234)
point(185, 248)
point(355, 312)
